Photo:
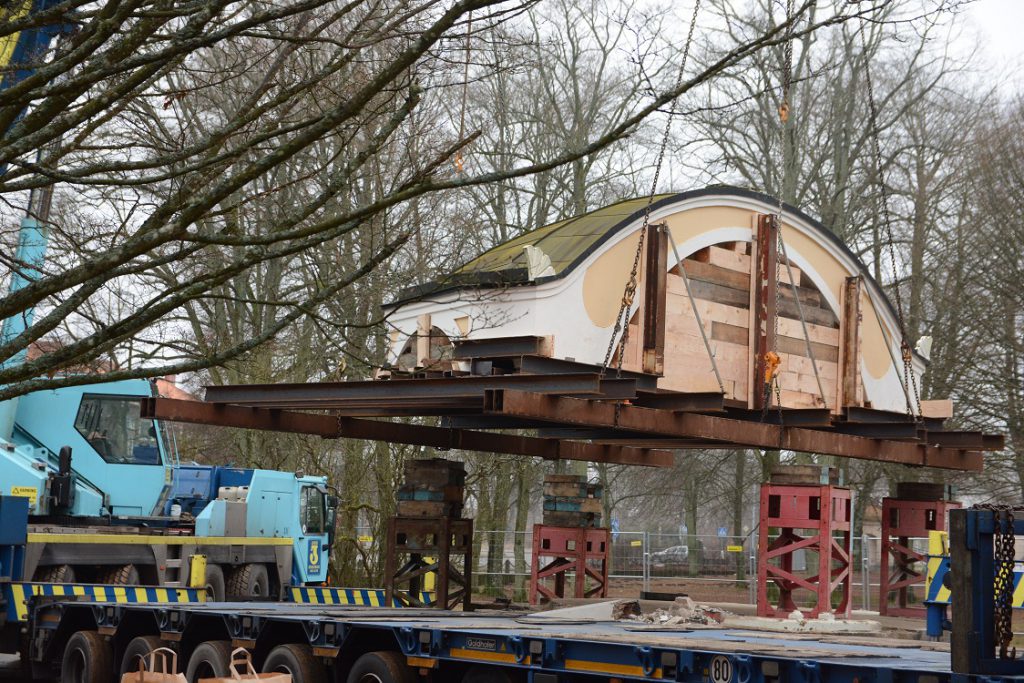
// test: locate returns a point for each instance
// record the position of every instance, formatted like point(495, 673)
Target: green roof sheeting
point(563, 242)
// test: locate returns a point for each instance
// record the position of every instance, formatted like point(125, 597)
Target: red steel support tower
point(578, 553)
point(917, 509)
point(823, 511)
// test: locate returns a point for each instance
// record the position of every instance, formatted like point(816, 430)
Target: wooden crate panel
point(726, 258)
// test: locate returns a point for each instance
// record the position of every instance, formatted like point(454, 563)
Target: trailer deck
point(531, 647)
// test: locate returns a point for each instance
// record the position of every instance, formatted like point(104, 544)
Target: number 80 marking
point(720, 669)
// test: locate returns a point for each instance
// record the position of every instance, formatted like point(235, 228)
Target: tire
point(123, 575)
point(58, 573)
point(297, 660)
point(137, 649)
point(88, 658)
point(249, 581)
point(211, 659)
point(381, 667)
point(215, 591)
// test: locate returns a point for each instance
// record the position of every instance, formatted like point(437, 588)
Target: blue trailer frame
point(446, 644)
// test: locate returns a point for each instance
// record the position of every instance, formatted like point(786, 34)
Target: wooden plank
point(812, 314)
point(698, 270)
point(423, 340)
point(729, 333)
point(802, 364)
point(723, 295)
point(798, 347)
point(786, 345)
point(726, 258)
point(817, 333)
point(941, 408)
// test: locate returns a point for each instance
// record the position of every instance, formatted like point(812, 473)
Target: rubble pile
point(682, 611)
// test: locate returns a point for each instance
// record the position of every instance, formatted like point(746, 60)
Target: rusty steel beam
point(332, 427)
point(732, 433)
point(699, 402)
point(199, 412)
point(849, 325)
point(500, 347)
point(328, 394)
point(791, 417)
point(766, 289)
point(653, 315)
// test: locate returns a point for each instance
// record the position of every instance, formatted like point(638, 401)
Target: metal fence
point(707, 568)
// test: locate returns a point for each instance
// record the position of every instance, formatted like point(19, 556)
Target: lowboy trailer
point(84, 643)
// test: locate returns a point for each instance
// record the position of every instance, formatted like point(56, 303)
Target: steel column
point(766, 289)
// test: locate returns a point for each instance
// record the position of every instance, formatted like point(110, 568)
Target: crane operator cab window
point(312, 509)
point(113, 427)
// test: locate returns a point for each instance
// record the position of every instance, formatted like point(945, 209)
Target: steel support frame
point(825, 511)
point(902, 567)
point(973, 645)
point(710, 428)
point(429, 545)
point(571, 553)
point(331, 427)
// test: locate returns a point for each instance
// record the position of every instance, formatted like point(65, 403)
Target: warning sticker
point(29, 492)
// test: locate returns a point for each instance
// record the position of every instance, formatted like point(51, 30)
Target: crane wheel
point(385, 666)
point(57, 573)
point(88, 658)
point(123, 575)
point(298, 661)
point(211, 659)
point(249, 581)
point(215, 591)
point(137, 649)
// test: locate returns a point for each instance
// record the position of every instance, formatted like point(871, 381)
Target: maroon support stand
point(570, 552)
point(824, 511)
point(901, 566)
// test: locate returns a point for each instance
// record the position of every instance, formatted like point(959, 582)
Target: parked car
point(672, 556)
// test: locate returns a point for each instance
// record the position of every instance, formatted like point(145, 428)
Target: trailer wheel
point(58, 573)
point(297, 660)
point(381, 667)
point(215, 583)
point(88, 658)
point(211, 659)
point(136, 650)
point(123, 575)
point(250, 581)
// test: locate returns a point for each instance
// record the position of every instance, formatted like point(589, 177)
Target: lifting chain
point(909, 378)
point(1004, 557)
point(629, 295)
point(772, 360)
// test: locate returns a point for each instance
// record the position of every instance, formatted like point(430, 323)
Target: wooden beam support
point(849, 344)
point(765, 295)
point(733, 433)
point(655, 279)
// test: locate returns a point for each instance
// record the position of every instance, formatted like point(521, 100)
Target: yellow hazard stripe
point(609, 668)
point(20, 592)
point(129, 539)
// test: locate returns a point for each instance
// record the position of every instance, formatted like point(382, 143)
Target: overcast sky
point(997, 25)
